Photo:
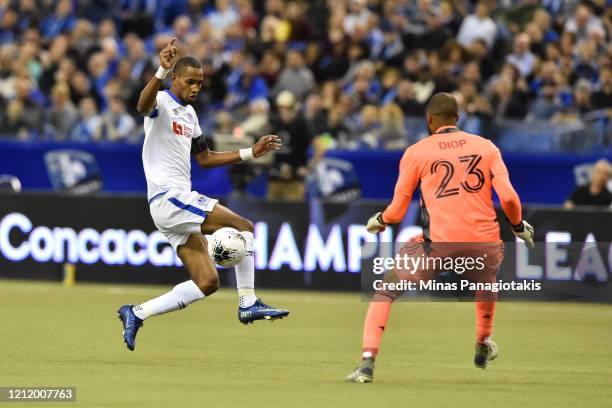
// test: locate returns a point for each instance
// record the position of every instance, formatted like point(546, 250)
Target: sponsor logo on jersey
point(181, 129)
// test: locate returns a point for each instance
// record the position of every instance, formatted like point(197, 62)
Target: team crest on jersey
point(202, 200)
point(189, 116)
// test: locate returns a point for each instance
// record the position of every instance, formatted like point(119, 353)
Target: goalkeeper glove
point(376, 223)
point(524, 231)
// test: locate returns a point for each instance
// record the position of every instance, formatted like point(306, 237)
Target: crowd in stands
point(347, 73)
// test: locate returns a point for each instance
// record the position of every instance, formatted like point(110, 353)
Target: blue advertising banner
point(307, 245)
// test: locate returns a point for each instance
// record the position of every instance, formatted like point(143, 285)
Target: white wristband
point(162, 73)
point(246, 154)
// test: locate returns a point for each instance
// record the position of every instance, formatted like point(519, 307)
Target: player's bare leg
point(204, 282)
point(250, 308)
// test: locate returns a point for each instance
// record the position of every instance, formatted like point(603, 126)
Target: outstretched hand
point(266, 144)
point(167, 56)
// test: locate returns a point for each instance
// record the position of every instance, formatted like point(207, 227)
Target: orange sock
point(485, 312)
point(374, 326)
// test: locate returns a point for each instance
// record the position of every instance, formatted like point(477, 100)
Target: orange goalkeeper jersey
point(456, 172)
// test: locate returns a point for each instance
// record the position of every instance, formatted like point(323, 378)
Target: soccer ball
point(226, 247)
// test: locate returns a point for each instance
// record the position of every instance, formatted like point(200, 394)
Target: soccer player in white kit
point(172, 136)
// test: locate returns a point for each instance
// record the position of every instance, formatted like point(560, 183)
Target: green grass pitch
point(551, 354)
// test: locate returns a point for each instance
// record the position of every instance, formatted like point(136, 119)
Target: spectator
point(595, 193)
point(335, 126)
point(366, 131)
point(83, 41)
point(63, 114)
point(30, 14)
point(364, 73)
point(29, 105)
point(392, 47)
point(392, 130)
point(478, 26)
point(117, 124)
point(9, 26)
point(508, 103)
point(137, 17)
point(475, 108)
point(296, 77)
point(28, 58)
point(330, 94)
point(181, 27)
point(248, 17)
point(546, 105)
point(405, 99)
point(100, 72)
point(315, 114)
point(270, 68)
point(522, 57)
point(51, 62)
point(357, 18)
point(137, 56)
point(89, 123)
point(80, 87)
point(61, 21)
point(296, 22)
point(258, 121)
point(423, 25)
point(542, 19)
point(389, 82)
point(602, 98)
point(223, 16)
point(15, 121)
point(129, 89)
point(545, 73)
point(583, 21)
point(245, 86)
point(481, 59)
point(582, 97)
point(289, 169)
point(585, 62)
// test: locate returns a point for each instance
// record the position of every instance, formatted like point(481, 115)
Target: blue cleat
point(131, 324)
point(260, 311)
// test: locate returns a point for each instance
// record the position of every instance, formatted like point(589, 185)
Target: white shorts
point(178, 214)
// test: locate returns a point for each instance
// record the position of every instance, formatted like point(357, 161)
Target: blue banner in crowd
point(546, 178)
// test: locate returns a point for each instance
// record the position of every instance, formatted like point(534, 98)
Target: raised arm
point(167, 58)
point(208, 158)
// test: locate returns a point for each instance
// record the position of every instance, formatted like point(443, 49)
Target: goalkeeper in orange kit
point(456, 172)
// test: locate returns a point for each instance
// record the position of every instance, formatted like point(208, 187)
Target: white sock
point(179, 297)
point(245, 274)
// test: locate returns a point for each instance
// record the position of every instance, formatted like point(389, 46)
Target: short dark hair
point(443, 105)
point(185, 62)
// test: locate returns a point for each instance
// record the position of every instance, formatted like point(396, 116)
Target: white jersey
point(166, 154)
